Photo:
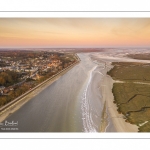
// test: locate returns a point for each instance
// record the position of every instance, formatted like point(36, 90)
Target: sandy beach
point(117, 119)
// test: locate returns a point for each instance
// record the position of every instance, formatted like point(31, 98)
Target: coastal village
point(23, 70)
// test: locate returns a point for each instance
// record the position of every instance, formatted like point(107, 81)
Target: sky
point(74, 32)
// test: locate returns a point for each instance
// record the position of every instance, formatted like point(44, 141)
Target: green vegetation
point(8, 78)
point(130, 71)
point(131, 97)
point(17, 91)
point(145, 127)
point(132, 94)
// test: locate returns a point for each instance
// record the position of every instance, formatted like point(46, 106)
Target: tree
point(2, 81)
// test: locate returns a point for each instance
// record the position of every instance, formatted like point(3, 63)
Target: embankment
point(18, 102)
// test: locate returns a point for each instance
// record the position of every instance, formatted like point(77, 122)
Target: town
point(22, 70)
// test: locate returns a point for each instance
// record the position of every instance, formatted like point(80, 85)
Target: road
point(70, 104)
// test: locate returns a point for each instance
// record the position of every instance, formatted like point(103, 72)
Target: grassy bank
point(132, 92)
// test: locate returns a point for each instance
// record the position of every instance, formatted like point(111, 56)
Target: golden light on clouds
point(61, 32)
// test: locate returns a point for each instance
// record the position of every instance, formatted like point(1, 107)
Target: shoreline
point(17, 103)
point(104, 119)
point(117, 119)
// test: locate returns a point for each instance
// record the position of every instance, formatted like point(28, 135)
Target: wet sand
point(117, 119)
point(104, 119)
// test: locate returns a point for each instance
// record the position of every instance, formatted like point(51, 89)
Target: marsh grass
point(132, 96)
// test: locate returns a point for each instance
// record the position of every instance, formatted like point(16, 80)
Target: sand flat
point(117, 119)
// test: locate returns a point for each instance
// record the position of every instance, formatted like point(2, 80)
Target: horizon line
point(74, 47)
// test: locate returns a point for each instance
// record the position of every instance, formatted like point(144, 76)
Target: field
point(132, 92)
point(130, 71)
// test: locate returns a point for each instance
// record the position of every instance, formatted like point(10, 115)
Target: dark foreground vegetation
point(132, 92)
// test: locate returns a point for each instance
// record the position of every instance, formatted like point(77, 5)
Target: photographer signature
point(6, 123)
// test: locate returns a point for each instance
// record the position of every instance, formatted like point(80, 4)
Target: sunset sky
point(77, 32)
